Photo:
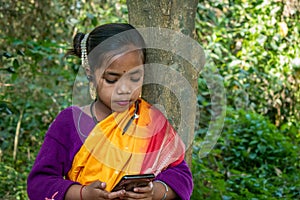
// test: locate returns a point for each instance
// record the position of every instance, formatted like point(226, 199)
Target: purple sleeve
point(62, 141)
point(47, 177)
point(179, 178)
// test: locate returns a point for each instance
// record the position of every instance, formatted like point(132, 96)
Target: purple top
point(63, 140)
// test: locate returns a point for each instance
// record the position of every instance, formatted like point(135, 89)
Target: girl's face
point(121, 83)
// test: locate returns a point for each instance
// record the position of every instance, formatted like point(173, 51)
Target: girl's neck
point(99, 110)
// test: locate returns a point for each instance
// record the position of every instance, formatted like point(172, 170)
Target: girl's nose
point(124, 88)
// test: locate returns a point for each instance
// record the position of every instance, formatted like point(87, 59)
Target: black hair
point(111, 39)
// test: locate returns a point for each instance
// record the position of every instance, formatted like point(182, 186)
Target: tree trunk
point(179, 16)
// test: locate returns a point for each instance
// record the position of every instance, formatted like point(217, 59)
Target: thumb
point(98, 184)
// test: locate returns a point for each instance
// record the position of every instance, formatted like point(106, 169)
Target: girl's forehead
point(120, 61)
point(124, 70)
point(126, 62)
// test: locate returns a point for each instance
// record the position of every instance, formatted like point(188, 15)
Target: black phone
point(128, 182)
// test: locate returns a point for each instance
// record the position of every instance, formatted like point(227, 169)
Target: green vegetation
point(254, 44)
point(252, 160)
point(255, 47)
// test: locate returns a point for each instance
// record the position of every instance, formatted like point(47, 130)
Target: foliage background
point(253, 44)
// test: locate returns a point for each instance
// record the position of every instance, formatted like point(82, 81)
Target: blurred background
point(253, 44)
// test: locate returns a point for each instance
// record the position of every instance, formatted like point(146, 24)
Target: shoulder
point(68, 122)
point(69, 111)
point(66, 116)
point(63, 119)
point(153, 112)
point(154, 119)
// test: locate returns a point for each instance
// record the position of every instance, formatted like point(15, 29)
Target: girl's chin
point(120, 108)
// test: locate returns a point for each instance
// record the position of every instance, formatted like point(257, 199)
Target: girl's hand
point(96, 191)
point(145, 193)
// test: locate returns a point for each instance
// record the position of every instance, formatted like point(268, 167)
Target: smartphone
point(128, 182)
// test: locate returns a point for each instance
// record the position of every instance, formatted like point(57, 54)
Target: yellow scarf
point(149, 146)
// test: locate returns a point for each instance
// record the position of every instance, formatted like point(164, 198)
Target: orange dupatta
point(149, 146)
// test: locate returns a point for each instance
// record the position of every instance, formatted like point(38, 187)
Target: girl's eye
point(135, 79)
point(111, 81)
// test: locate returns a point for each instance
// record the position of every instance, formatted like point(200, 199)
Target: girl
point(87, 150)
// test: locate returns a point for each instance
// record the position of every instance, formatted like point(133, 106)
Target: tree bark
point(177, 15)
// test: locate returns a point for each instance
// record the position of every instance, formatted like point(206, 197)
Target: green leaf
point(20, 52)
point(16, 64)
point(7, 55)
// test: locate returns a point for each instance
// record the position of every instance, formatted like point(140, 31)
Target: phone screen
point(129, 182)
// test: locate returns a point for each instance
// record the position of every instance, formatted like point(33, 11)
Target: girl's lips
point(123, 103)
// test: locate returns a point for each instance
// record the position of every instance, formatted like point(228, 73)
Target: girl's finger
point(148, 188)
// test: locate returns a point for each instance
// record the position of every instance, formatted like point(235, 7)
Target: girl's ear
point(88, 72)
point(89, 75)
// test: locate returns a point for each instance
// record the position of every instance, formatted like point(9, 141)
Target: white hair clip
point(84, 58)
